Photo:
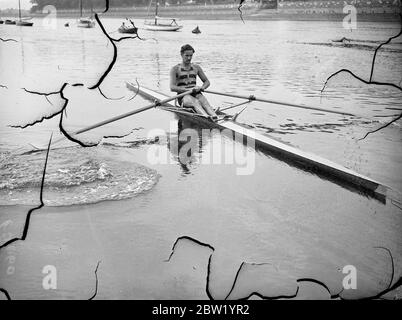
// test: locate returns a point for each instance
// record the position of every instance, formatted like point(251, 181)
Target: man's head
point(187, 52)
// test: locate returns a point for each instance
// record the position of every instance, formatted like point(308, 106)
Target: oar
point(234, 106)
point(124, 115)
point(252, 98)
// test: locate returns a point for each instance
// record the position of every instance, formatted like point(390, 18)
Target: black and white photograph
point(220, 151)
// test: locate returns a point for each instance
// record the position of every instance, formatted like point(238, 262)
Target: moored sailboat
point(82, 22)
point(22, 22)
point(161, 24)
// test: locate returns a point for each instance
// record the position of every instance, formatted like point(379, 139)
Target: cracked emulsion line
point(97, 86)
point(239, 9)
point(208, 274)
point(237, 275)
point(26, 226)
point(42, 94)
point(28, 216)
point(373, 82)
point(209, 259)
point(96, 281)
point(112, 41)
point(191, 239)
point(45, 117)
point(256, 293)
point(392, 265)
point(5, 293)
point(100, 91)
point(8, 40)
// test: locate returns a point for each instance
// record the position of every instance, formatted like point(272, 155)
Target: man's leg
point(205, 104)
point(191, 102)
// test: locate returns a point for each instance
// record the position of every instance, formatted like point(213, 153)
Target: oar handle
point(253, 98)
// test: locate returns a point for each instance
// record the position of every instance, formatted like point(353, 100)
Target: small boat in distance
point(196, 30)
point(125, 29)
point(8, 21)
point(21, 22)
point(88, 22)
point(1, 21)
point(161, 24)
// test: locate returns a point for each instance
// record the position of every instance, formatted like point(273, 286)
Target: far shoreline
point(210, 13)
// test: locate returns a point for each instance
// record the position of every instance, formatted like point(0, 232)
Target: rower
point(183, 77)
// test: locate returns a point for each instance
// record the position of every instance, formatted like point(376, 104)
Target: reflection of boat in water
point(88, 22)
point(285, 152)
point(161, 24)
point(22, 22)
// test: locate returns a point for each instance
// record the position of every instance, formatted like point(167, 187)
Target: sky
point(5, 4)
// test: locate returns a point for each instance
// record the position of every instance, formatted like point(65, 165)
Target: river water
point(284, 223)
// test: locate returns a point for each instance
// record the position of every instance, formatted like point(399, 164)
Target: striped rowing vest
point(186, 78)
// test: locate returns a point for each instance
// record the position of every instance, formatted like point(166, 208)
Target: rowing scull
point(302, 159)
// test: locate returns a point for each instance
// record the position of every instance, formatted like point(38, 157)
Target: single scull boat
point(305, 160)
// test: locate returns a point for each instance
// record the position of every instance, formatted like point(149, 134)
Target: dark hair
point(185, 48)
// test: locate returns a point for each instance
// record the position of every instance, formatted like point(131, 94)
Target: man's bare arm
point(203, 78)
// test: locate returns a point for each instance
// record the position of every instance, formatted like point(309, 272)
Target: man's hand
point(197, 90)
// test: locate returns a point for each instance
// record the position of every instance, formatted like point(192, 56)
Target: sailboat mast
point(19, 9)
point(156, 13)
point(80, 8)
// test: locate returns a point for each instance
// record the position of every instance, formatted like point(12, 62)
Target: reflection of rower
point(187, 146)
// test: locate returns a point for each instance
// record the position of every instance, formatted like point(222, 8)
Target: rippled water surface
point(292, 223)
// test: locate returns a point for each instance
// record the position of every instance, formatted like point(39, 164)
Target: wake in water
point(73, 176)
point(369, 45)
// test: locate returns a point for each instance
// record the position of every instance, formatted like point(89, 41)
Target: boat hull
point(128, 30)
point(85, 23)
point(324, 168)
point(9, 22)
point(153, 27)
point(24, 24)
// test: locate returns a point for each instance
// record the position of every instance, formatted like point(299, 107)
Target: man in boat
point(184, 77)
